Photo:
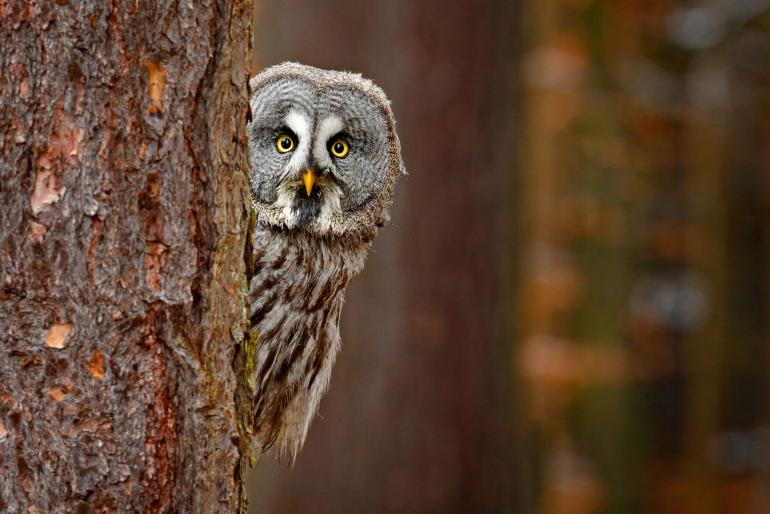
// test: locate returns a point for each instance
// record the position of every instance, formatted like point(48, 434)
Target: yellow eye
point(339, 148)
point(284, 143)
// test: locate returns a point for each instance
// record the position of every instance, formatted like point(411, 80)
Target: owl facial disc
point(323, 151)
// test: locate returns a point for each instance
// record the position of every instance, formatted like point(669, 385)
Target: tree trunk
point(122, 232)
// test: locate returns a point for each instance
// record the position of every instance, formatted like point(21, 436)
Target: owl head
point(323, 151)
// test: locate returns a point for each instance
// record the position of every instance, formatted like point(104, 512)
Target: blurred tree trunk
point(122, 167)
point(707, 350)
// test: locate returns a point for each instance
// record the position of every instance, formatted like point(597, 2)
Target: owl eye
point(284, 143)
point(339, 148)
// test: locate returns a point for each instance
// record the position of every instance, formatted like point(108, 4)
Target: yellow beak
point(308, 178)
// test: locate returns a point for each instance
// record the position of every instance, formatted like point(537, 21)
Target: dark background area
point(568, 313)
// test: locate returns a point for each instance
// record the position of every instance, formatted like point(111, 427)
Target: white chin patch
point(285, 209)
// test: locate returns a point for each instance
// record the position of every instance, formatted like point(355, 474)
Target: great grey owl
point(324, 157)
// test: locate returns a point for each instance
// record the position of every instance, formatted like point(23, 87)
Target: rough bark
point(122, 231)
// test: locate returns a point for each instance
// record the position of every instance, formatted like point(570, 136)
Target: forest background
point(570, 311)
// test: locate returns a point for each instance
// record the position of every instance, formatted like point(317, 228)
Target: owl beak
point(308, 178)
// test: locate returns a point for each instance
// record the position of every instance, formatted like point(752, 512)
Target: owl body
point(324, 157)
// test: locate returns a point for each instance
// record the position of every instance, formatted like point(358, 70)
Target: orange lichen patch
point(71, 141)
point(65, 143)
point(57, 335)
point(161, 430)
point(57, 394)
point(36, 231)
point(96, 232)
point(96, 365)
point(156, 84)
point(3, 431)
point(154, 260)
point(24, 88)
point(47, 190)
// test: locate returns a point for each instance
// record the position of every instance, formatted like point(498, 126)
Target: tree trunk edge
point(229, 268)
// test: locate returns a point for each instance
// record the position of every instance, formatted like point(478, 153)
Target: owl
point(323, 160)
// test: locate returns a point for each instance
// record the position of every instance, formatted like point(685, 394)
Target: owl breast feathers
point(323, 159)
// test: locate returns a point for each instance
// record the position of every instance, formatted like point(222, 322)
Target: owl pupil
point(339, 148)
point(286, 143)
